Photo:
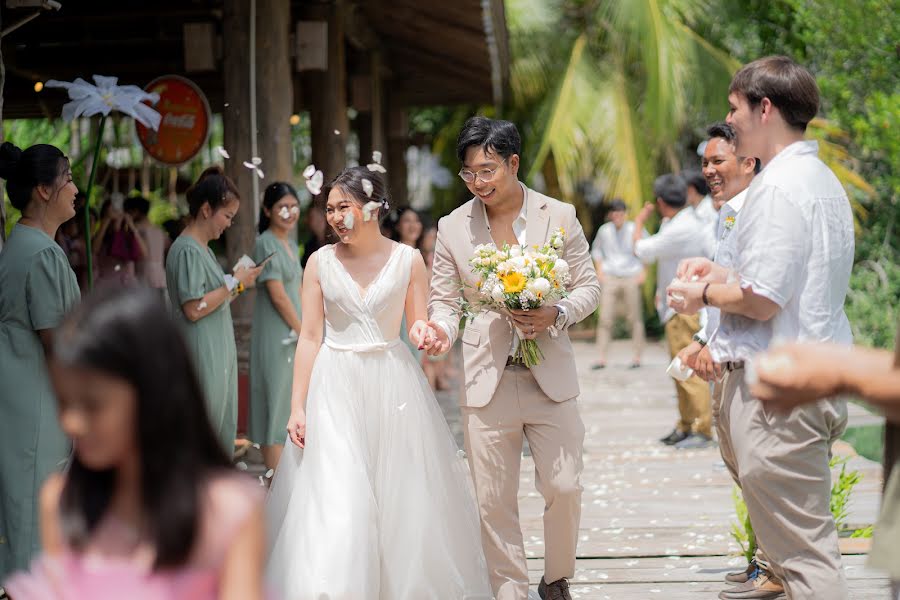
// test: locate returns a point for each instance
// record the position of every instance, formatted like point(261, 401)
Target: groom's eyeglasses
point(485, 175)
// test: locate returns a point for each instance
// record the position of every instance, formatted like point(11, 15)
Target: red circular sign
point(185, 121)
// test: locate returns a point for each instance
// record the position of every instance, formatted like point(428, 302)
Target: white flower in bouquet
point(540, 287)
point(515, 251)
point(562, 268)
point(497, 293)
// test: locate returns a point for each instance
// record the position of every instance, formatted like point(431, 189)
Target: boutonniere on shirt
point(729, 222)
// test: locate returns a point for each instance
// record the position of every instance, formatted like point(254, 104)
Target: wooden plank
point(655, 520)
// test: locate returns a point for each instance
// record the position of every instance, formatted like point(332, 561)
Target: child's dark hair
point(350, 181)
point(41, 164)
point(274, 192)
point(212, 187)
point(137, 203)
point(128, 333)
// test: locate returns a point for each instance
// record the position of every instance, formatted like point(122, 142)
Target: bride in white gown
point(371, 500)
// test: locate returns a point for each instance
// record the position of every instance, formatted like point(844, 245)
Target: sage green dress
point(192, 272)
point(271, 359)
point(37, 289)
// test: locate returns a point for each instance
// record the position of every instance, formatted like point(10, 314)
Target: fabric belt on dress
point(733, 365)
point(373, 347)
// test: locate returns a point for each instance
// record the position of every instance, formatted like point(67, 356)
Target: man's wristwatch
point(699, 339)
point(562, 318)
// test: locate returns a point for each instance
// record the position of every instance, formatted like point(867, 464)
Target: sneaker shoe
point(695, 441)
point(762, 587)
point(674, 437)
point(743, 576)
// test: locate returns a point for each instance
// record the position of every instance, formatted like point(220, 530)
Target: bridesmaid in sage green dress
point(201, 294)
point(37, 289)
point(276, 321)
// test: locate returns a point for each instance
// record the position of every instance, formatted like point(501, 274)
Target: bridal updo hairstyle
point(213, 187)
point(350, 181)
point(41, 164)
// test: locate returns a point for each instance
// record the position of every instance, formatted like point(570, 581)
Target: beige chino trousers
point(493, 436)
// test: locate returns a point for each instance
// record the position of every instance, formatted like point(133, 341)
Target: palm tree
point(609, 91)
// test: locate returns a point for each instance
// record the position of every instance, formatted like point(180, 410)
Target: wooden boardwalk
point(656, 521)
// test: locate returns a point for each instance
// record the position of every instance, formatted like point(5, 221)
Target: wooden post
point(379, 133)
point(274, 99)
point(397, 143)
point(328, 98)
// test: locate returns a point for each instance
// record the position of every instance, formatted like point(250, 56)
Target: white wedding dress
point(379, 504)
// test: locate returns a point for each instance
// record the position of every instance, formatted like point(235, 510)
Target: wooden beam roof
point(437, 52)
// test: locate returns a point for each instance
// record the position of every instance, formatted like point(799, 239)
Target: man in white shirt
point(678, 238)
point(620, 272)
point(793, 255)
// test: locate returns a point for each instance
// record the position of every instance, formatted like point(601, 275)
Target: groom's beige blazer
point(487, 339)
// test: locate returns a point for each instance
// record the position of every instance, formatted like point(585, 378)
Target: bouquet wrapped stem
point(528, 353)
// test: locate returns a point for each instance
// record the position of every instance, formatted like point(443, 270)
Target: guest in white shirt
point(678, 238)
point(793, 255)
point(699, 197)
point(620, 272)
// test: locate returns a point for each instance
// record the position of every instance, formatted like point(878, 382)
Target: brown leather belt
point(733, 365)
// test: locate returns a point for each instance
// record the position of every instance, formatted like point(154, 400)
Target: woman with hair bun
point(201, 294)
point(276, 321)
point(37, 289)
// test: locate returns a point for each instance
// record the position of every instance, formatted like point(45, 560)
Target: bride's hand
point(419, 333)
point(296, 428)
point(438, 342)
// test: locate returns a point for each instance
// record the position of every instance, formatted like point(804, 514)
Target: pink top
point(102, 571)
point(151, 270)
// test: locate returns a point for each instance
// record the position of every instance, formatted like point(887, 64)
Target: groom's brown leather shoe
point(558, 590)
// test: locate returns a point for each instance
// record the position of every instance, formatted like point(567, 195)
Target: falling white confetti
point(295, 210)
point(269, 473)
point(256, 446)
point(118, 267)
point(202, 305)
point(309, 171)
point(222, 152)
point(314, 183)
point(376, 168)
point(284, 213)
point(369, 208)
point(368, 188)
point(253, 165)
point(402, 406)
point(241, 466)
point(349, 221)
point(337, 132)
point(376, 157)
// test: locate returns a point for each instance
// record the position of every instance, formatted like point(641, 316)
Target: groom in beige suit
point(504, 400)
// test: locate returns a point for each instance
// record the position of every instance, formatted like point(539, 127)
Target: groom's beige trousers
point(555, 434)
point(782, 463)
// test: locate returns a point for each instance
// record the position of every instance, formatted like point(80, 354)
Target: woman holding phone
point(201, 295)
point(276, 321)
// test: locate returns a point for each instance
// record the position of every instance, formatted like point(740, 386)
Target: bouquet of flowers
point(518, 278)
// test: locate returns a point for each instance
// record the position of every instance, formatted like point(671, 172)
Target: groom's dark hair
point(491, 135)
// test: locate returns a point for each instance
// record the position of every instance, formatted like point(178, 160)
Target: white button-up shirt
point(614, 248)
point(678, 238)
point(519, 227)
point(794, 245)
point(725, 257)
